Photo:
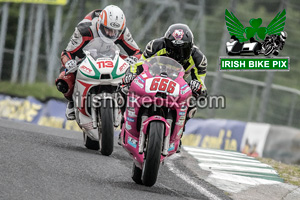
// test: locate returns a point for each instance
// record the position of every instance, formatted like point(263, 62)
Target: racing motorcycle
point(96, 110)
point(154, 119)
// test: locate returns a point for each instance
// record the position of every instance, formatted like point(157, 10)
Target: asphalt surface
point(47, 163)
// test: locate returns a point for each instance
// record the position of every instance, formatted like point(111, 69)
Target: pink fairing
point(151, 88)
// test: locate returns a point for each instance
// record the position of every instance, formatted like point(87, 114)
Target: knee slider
point(62, 86)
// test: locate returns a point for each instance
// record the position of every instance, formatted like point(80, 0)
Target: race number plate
point(165, 85)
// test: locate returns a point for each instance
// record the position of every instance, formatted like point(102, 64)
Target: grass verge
point(290, 173)
point(40, 91)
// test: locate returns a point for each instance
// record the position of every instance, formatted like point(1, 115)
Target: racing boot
point(70, 111)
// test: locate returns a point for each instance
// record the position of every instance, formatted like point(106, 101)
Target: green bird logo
point(235, 27)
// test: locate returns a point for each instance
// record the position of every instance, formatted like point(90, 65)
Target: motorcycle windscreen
point(164, 67)
point(97, 48)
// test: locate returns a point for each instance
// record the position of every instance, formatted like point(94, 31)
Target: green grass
point(290, 173)
point(40, 91)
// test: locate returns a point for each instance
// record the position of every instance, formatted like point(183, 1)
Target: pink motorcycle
point(154, 119)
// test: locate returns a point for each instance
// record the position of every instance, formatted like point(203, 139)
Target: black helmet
point(179, 42)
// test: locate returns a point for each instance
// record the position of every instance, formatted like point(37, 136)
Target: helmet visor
point(110, 33)
point(179, 50)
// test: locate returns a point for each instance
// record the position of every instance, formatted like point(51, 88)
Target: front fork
point(116, 110)
point(166, 141)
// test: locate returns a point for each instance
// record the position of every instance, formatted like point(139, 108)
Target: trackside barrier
point(254, 139)
point(50, 113)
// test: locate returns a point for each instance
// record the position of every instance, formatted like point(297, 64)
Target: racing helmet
point(179, 41)
point(283, 35)
point(111, 23)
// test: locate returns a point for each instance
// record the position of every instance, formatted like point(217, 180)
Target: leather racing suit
point(84, 32)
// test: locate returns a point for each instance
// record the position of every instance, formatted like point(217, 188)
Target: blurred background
point(32, 37)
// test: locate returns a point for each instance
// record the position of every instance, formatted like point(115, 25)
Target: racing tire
point(268, 50)
point(106, 131)
point(136, 174)
point(89, 143)
point(153, 153)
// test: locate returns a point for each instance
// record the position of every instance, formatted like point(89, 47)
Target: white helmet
point(111, 23)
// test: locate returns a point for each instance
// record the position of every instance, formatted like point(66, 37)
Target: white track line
point(187, 179)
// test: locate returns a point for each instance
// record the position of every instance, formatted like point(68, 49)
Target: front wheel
point(136, 174)
point(106, 132)
point(268, 50)
point(153, 153)
point(89, 143)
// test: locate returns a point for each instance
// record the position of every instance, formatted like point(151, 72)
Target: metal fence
point(30, 50)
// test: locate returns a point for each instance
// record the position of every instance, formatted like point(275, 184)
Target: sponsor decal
point(130, 119)
point(180, 131)
point(184, 86)
point(131, 109)
point(86, 69)
point(132, 142)
point(186, 90)
point(123, 66)
point(182, 117)
point(139, 84)
point(132, 99)
point(142, 80)
point(181, 113)
point(127, 126)
point(180, 122)
point(131, 113)
point(172, 147)
point(183, 108)
point(115, 25)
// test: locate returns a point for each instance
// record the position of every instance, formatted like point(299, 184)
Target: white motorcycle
point(96, 107)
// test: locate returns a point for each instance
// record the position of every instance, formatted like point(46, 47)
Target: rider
point(110, 25)
point(177, 43)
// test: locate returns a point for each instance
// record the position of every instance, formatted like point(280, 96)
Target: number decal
point(171, 87)
point(163, 85)
point(154, 84)
point(105, 64)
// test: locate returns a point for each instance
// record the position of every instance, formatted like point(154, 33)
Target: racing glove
point(71, 66)
point(131, 60)
point(128, 78)
point(198, 88)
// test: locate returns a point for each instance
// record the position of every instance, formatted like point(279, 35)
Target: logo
point(123, 66)
point(130, 119)
point(86, 69)
point(115, 25)
point(255, 40)
point(138, 83)
point(132, 142)
point(128, 127)
point(178, 34)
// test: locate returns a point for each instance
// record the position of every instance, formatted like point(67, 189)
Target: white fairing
point(229, 45)
point(101, 66)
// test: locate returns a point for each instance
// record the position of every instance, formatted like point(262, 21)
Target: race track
point(47, 163)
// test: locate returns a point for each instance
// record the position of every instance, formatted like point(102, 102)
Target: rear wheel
point(106, 134)
point(153, 153)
